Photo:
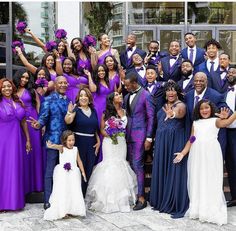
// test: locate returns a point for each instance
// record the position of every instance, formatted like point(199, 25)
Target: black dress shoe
point(139, 205)
point(46, 206)
point(231, 203)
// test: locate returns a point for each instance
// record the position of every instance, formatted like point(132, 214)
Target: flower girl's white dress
point(205, 174)
point(66, 197)
point(113, 185)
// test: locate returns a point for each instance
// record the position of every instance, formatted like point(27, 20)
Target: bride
point(113, 185)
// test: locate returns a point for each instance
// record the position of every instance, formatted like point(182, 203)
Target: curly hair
point(196, 112)
point(29, 86)
point(97, 79)
point(212, 42)
point(110, 108)
point(172, 85)
point(89, 95)
point(14, 95)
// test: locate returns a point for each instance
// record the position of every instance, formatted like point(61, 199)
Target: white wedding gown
point(205, 175)
point(66, 197)
point(112, 186)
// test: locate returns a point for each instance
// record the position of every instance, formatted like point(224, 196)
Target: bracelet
point(20, 53)
point(173, 116)
point(69, 113)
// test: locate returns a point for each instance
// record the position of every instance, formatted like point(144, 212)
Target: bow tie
point(151, 84)
point(129, 48)
point(62, 97)
point(139, 69)
point(173, 57)
point(134, 92)
point(230, 88)
point(223, 71)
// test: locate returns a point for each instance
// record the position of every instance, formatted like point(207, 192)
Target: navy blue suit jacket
point(158, 58)
point(141, 81)
point(189, 87)
point(176, 70)
point(124, 58)
point(199, 56)
point(216, 82)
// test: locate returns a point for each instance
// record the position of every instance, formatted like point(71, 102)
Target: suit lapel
point(134, 102)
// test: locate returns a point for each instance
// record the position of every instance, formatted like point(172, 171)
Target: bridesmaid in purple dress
point(105, 49)
point(85, 58)
point(33, 163)
point(12, 147)
point(75, 81)
point(113, 73)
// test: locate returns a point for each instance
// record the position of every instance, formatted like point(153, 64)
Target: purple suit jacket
point(140, 117)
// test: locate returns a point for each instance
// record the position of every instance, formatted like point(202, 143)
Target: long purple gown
point(83, 64)
point(33, 162)
point(103, 56)
point(53, 77)
point(74, 85)
point(115, 81)
point(12, 149)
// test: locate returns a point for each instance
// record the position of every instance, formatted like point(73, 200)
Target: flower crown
point(21, 27)
point(60, 33)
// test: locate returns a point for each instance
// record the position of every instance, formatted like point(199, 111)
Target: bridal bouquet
point(21, 27)
point(42, 82)
point(17, 43)
point(90, 40)
point(114, 128)
point(60, 34)
point(51, 45)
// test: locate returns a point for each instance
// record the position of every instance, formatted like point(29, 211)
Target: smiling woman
point(13, 147)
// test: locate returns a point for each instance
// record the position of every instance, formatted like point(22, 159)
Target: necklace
point(86, 111)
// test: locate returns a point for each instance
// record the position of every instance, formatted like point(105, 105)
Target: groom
point(140, 113)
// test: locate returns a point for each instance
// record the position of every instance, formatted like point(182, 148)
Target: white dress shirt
point(216, 64)
point(129, 53)
point(186, 81)
point(230, 100)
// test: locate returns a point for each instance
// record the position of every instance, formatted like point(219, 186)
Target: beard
point(186, 74)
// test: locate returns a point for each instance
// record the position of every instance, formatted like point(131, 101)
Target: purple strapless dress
point(33, 169)
point(12, 150)
point(103, 56)
point(74, 86)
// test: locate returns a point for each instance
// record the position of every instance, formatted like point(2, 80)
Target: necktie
point(139, 69)
point(212, 68)
point(191, 55)
point(196, 100)
point(173, 57)
point(230, 88)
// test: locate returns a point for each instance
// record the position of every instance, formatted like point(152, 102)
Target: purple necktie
point(196, 100)
point(212, 68)
point(191, 55)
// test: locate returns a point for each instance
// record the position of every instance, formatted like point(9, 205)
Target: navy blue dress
point(86, 125)
point(169, 181)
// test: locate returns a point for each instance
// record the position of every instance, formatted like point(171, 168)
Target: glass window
point(2, 54)
point(166, 36)
point(227, 40)
point(143, 38)
point(211, 12)
point(202, 36)
point(156, 12)
point(4, 13)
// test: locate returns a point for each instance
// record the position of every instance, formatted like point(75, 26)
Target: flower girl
point(66, 197)
point(205, 164)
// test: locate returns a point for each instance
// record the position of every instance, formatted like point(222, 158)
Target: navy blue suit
point(173, 73)
point(141, 81)
point(159, 55)
point(189, 87)
point(199, 56)
point(230, 157)
point(216, 82)
point(52, 114)
point(127, 63)
point(218, 100)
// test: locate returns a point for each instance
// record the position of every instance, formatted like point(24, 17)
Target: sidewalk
point(30, 219)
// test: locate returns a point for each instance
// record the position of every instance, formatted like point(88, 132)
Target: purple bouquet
point(21, 27)
point(60, 33)
point(192, 139)
point(51, 45)
point(42, 82)
point(114, 128)
point(90, 40)
point(67, 166)
point(17, 43)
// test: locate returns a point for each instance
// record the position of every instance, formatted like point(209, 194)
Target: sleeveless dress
point(12, 150)
point(83, 64)
point(169, 181)
point(103, 56)
point(66, 197)
point(113, 185)
point(115, 81)
point(33, 162)
point(205, 174)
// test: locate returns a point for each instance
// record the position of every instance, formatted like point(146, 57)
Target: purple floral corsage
point(60, 34)
point(90, 40)
point(67, 166)
point(21, 27)
point(17, 43)
point(51, 45)
point(192, 139)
